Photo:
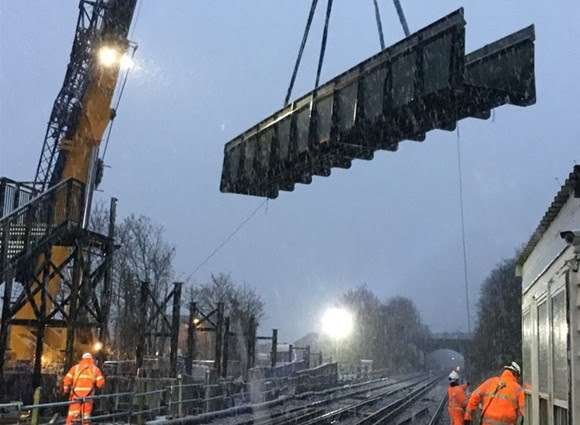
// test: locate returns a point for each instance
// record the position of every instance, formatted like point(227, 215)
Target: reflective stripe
point(506, 397)
point(487, 421)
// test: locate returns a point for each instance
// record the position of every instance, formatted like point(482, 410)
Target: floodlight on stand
point(97, 346)
point(337, 323)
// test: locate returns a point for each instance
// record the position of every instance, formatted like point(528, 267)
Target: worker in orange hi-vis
point(81, 381)
point(501, 399)
point(456, 399)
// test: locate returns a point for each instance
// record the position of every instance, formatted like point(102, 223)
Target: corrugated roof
point(570, 187)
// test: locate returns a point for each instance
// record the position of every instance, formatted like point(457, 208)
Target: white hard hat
point(514, 367)
point(87, 356)
point(453, 376)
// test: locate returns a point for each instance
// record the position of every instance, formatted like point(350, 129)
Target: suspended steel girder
point(423, 83)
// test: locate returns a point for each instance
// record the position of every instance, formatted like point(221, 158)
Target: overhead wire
point(226, 240)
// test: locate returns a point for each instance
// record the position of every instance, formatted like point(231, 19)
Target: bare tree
point(404, 334)
point(241, 303)
point(391, 333)
point(240, 300)
point(143, 255)
point(498, 336)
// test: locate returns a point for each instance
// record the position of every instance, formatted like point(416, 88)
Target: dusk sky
point(207, 70)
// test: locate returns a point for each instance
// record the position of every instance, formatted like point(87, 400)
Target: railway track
point(348, 405)
point(393, 409)
point(437, 416)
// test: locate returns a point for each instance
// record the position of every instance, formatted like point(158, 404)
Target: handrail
point(40, 219)
point(40, 197)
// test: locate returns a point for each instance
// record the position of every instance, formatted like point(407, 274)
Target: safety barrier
point(130, 407)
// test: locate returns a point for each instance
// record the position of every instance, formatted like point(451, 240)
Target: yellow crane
point(79, 119)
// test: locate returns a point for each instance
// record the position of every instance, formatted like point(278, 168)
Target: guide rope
point(462, 220)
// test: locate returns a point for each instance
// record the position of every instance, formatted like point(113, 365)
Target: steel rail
point(437, 415)
point(315, 410)
point(388, 412)
point(353, 408)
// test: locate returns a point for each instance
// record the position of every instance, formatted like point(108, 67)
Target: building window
point(543, 347)
point(560, 416)
point(527, 331)
point(529, 417)
point(543, 411)
point(560, 347)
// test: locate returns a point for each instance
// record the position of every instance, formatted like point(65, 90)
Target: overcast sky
point(208, 70)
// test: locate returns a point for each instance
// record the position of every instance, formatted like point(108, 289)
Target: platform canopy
point(424, 82)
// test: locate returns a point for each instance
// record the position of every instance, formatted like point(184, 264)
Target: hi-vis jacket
point(82, 379)
point(501, 399)
point(457, 400)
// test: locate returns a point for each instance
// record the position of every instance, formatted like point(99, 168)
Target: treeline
point(391, 333)
point(497, 338)
point(241, 304)
point(144, 254)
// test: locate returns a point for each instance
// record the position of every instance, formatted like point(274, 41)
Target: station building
point(549, 267)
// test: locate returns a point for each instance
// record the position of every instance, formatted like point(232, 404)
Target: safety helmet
point(514, 367)
point(453, 376)
point(87, 356)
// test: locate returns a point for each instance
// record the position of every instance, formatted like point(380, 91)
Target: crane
point(39, 237)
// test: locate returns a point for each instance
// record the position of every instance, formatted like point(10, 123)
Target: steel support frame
point(306, 354)
point(81, 306)
point(192, 323)
point(251, 343)
point(215, 321)
point(273, 346)
point(153, 313)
